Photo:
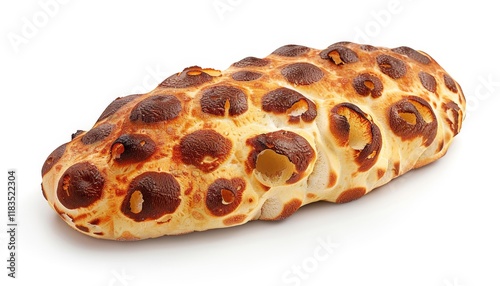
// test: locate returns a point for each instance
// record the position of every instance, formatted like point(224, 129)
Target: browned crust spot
point(332, 180)
point(82, 228)
point(156, 108)
point(80, 186)
point(351, 195)
point(97, 134)
point(77, 133)
point(53, 158)
point(440, 146)
point(235, 219)
point(412, 54)
point(396, 168)
point(81, 216)
point(206, 149)
point(413, 117)
point(251, 62)
point(283, 99)
point(289, 208)
point(127, 236)
point(116, 105)
point(450, 83)
point(291, 51)
point(311, 196)
point(391, 66)
point(132, 148)
point(224, 195)
point(428, 81)
point(380, 173)
point(453, 111)
point(352, 127)
point(217, 100)
point(160, 195)
point(368, 48)
point(95, 221)
point(191, 76)
point(339, 54)
point(302, 73)
point(246, 76)
point(286, 143)
point(368, 84)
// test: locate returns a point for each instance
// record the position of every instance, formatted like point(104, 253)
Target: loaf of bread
point(212, 149)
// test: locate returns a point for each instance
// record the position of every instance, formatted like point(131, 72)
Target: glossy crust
point(211, 149)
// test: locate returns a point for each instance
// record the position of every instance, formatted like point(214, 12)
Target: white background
point(62, 63)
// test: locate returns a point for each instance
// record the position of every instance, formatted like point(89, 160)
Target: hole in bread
point(298, 108)
point(195, 72)
point(359, 128)
point(117, 149)
point(136, 201)
point(212, 72)
point(335, 56)
point(273, 169)
point(424, 111)
point(408, 117)
point(227, 196)
point(369, 84)
point(358, 138)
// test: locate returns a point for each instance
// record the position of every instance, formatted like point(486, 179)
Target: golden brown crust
point(211, 149)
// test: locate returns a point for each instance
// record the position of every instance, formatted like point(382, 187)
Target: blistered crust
point(212, 149)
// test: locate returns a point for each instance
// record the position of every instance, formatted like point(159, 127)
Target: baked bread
point(212, 149)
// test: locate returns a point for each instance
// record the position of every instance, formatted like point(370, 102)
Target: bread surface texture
point(213, 149)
